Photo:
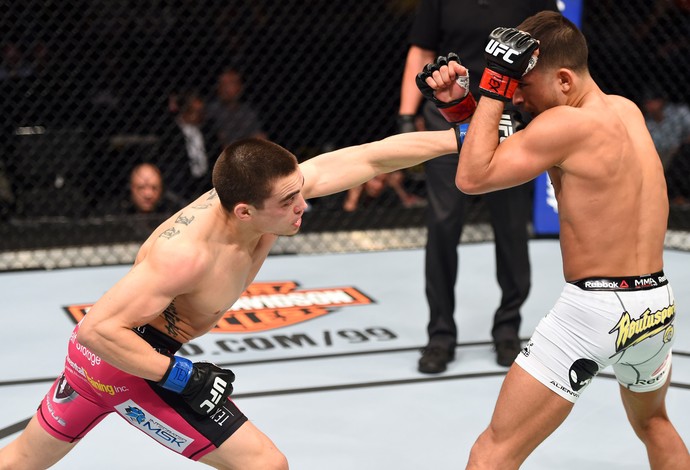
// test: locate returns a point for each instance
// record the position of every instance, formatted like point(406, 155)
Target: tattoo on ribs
point(170, 315)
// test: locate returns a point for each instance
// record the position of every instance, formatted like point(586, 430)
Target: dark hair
point(246, 170)
point(561, 43)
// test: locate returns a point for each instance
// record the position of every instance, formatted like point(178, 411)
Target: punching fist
point(461, 103)
point(509, 55)
point(204, 386)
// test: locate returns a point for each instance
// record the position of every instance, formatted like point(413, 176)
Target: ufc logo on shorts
point(495, 48)
point(219, 386)
point(505, 127)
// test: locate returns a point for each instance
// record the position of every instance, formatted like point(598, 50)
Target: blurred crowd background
point(113, 112)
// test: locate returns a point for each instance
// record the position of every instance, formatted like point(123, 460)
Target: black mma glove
point(204, 386)
point(456, 110)
point(510, 123)
point(405, 123)
point(509, 56)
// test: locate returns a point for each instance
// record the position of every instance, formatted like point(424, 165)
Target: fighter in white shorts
point(623, 322)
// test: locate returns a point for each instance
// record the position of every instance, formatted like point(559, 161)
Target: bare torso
point(229, 268)
point(611, 194)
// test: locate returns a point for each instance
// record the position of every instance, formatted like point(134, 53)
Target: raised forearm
point(123, 348)
point(479, 146)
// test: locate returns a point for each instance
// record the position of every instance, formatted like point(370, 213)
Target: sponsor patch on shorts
point(154, 427)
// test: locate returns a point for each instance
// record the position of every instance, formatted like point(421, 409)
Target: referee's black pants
point(446, 214)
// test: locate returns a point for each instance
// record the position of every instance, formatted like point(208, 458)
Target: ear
point(243, 211)
point(566, 79)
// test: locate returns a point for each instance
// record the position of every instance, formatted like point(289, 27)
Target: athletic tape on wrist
point(179, 375)
point(459, 111)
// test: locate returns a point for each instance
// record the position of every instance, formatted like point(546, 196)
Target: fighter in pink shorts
point(89, 389)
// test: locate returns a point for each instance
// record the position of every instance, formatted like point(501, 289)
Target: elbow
point(88, 336)
point(467, 185)
point(85, 336)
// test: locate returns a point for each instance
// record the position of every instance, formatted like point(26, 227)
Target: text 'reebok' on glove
point(204, 386)
point(509, 55)
point(454, 111)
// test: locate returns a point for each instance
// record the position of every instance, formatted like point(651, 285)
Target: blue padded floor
point(337, 388)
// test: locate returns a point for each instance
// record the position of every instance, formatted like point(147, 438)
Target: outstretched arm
point(345, 168)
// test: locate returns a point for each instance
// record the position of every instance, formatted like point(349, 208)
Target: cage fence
point(92, 88)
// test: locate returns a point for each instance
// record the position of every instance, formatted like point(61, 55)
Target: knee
point(647, 429)
point(480, 454)
point(274, 461)
point(488, 453)
point(279, 462)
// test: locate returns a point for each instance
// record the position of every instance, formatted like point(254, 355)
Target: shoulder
point(558, 132)
point(626, 111)
point(176, 256)
point(563, 121)
point(590, 118)
point(624, 103)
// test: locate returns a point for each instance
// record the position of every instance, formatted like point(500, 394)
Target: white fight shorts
point(627, 323)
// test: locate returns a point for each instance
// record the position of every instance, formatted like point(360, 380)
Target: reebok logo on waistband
point(603, 285)
point(647, 281)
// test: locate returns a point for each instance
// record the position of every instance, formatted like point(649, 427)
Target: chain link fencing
point(91, 88)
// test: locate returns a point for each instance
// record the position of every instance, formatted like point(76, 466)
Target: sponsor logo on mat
point(268, 305)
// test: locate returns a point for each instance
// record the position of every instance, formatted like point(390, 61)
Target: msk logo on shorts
point(268, 305)
point(154, 427)
point(632, 331)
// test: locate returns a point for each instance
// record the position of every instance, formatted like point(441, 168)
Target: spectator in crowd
point(442, 26)
point(184, 157)
point(376, 187)
point(669, 125)
point(147, 194)
point(231, 118)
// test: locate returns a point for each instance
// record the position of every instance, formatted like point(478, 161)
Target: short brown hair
point(246, 170)
point(561, 43)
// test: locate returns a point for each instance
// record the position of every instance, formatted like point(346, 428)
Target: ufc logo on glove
point(204, 386)
point(505, 127)
point(217, 391)
point(495, 48)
